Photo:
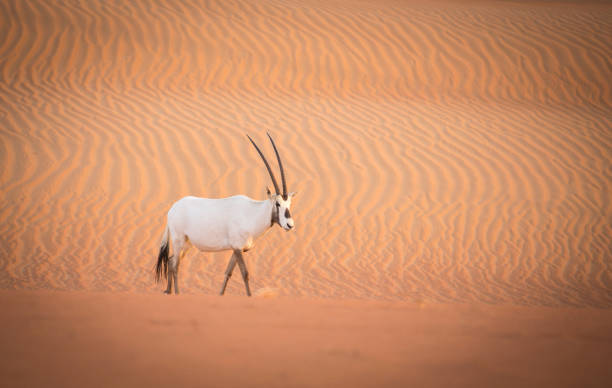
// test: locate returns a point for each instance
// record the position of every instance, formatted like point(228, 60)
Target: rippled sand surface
point(442, 152)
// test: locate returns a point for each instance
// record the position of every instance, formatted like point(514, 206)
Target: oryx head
point(281, 201)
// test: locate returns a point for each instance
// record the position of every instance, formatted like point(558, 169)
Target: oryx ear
point(292, 194)
point(268, 191)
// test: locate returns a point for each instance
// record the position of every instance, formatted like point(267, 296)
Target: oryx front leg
point(228, 272)
point(243, 270)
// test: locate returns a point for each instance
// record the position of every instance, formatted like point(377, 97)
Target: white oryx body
point(220, 224)
point(232, 223)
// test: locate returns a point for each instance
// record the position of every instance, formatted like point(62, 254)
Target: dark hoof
point(167, 292)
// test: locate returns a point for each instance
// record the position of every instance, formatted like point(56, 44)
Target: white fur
point(223, 224)
point(219, 224)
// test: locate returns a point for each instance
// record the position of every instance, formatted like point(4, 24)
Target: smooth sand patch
point(117, 339)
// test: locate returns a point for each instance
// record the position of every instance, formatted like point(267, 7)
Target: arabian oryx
point(222, 224)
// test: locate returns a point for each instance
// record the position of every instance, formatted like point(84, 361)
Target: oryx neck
point(274, 215)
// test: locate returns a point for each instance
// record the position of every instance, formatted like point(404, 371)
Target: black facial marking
point(287, 213)
point(275, 215)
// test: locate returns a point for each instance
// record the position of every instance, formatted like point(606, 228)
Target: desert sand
point(447, 154)
point(126, 339)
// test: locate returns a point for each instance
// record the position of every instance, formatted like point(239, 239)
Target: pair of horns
point(280, 165)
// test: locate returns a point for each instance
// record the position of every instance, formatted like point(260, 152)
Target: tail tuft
point(161, 269)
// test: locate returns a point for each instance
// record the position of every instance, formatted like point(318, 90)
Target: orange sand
point(82, 339)
point(444, 152)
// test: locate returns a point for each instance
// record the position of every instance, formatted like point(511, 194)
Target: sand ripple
point(441, 152)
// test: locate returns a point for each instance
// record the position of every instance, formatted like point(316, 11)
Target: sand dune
point(443, 152)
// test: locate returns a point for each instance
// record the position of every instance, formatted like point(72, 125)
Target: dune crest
point(441, 153)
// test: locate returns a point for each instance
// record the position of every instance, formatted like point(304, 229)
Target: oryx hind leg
point(173, 265)
point(170, 278)
point(243, 270)
point(228, 272)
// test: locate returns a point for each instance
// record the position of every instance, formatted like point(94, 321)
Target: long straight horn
point(267, 165)
point(280, 165)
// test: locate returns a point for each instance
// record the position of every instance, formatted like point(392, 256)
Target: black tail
point(161, 269)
